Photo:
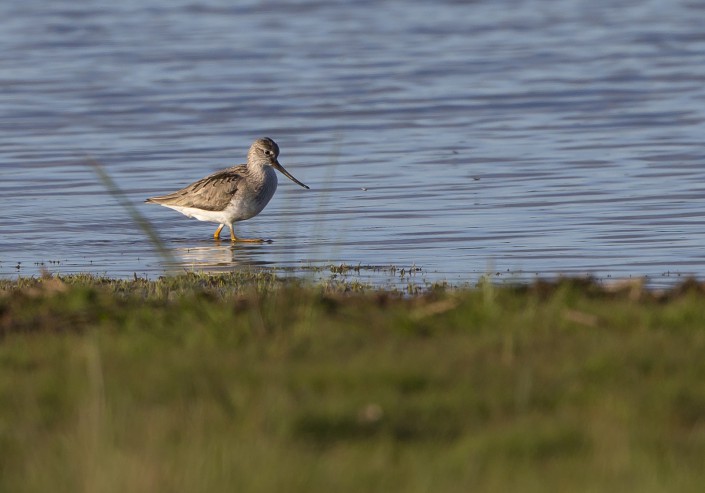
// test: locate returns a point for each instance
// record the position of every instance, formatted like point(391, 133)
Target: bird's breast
point(253, 197)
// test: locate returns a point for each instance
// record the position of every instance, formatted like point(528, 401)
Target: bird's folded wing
point(212, 193)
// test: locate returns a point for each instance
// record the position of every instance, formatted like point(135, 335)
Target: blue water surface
point(525, 138)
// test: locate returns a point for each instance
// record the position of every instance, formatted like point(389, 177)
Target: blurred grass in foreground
point(251, 384)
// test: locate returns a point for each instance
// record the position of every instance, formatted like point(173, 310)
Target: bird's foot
point(249, 240)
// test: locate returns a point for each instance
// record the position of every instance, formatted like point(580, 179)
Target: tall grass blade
point(168, 259)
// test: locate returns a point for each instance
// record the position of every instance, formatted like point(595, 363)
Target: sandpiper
point(233, 194)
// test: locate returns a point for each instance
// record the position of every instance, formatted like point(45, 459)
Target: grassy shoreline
point(250, 382)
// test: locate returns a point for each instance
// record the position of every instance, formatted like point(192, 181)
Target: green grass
point(250, 383)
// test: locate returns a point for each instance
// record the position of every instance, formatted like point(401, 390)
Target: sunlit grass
point(249, 382)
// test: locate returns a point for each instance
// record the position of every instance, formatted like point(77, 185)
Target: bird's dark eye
point(268, 152)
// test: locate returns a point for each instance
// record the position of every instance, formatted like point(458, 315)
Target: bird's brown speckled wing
point(212, 193)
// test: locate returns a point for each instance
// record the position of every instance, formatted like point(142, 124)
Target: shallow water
point(525, 138)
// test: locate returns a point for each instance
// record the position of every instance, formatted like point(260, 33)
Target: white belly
point(220, 217)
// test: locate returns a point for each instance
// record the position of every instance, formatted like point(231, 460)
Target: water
point(526, 138)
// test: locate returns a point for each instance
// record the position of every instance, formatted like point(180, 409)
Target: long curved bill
point(276, 165)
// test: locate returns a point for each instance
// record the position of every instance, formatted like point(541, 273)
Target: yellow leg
point(245, 240)
point(216, 235)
